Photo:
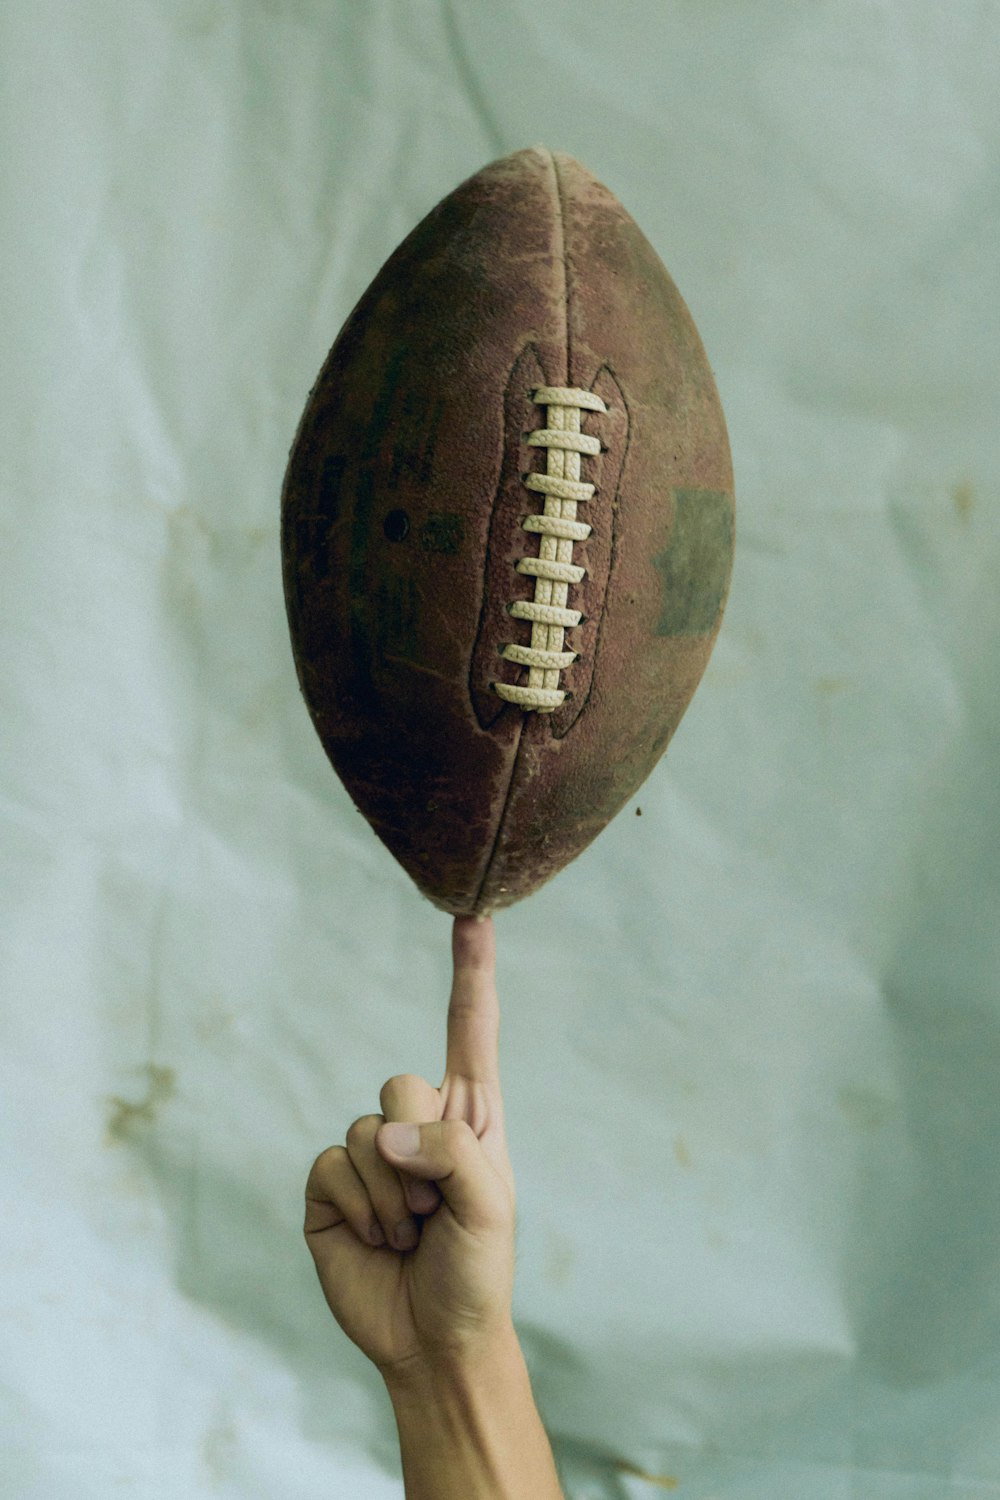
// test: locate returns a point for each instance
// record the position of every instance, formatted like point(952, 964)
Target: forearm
point(473, 1432)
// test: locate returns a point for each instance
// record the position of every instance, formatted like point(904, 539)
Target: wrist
point(469, 1428)
point(426, 1375)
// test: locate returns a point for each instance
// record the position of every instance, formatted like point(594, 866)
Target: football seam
point(505, 809)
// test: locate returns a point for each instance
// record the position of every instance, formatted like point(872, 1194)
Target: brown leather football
point(507, 531)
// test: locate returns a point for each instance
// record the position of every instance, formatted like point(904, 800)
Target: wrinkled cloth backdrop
point(751, 1039)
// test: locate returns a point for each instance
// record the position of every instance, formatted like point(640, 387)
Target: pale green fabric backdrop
point(751, 1040)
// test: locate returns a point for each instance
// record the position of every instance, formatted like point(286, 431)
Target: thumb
point(449, 1153)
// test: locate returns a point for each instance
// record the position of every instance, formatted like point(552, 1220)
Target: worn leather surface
point(401, 528)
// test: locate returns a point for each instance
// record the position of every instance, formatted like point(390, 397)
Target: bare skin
point(448, 1295)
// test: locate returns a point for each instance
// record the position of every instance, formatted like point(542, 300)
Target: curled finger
point(336, 1195)
point(409, 1099)
point(382, 1183)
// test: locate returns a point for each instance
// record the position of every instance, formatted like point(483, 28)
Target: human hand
point(450, 1293)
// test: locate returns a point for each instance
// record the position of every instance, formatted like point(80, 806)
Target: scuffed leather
point(401, 518)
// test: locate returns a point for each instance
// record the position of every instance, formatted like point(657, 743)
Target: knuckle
point(398, 1080)
point(361, 1129)
point(325, 1162)
point(458, 1134)
point(400, 1083)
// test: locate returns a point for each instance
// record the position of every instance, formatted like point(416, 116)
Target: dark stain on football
point(413, 452)
point(396, 618)
point(382, 408)
point(312, 532)
point(359, 602)
point(127, 1118)
point(695, 564)
point(442, 533)
point(331, 475)
point(396, 525)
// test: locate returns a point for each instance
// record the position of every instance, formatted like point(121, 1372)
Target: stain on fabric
point(127, 1119)
point(560, 1256)
point(963, 497)
point(218, 1449)
point(865, 1108)
point(665, 1481)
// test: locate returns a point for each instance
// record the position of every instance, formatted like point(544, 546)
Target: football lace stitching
point(553, 568)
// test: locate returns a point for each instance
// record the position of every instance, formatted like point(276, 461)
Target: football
point(507, 531)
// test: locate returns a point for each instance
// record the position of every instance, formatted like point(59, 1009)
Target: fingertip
point(473, 942)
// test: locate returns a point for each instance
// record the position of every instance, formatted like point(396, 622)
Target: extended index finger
point(474, 1007)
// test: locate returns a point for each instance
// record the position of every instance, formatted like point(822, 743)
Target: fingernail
point(421, 1197)
point(407, 1237)
point(376, 1236)
point(402, 1140)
